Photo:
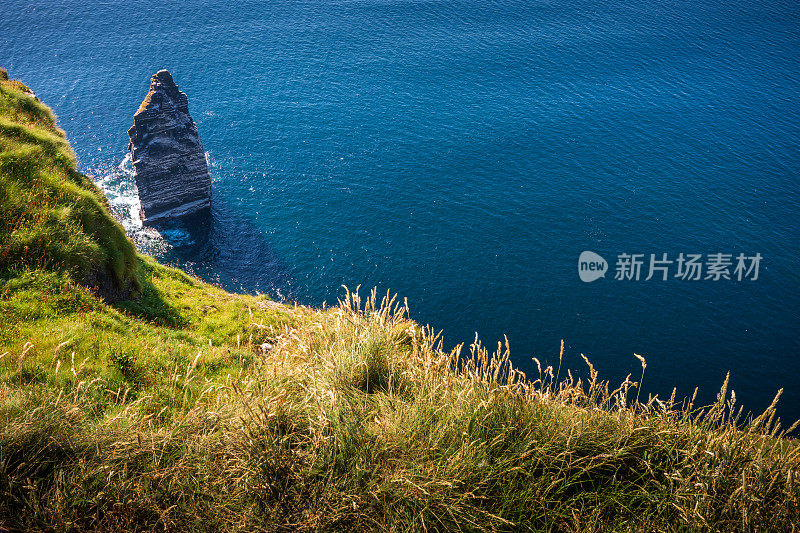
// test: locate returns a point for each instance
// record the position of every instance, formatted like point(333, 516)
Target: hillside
point(135, 397)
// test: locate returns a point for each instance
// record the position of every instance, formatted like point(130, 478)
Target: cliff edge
point(53, 217)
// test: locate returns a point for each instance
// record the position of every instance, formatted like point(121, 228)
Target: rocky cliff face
point(168, 156)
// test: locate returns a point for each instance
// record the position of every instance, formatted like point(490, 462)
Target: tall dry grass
point(357, 419)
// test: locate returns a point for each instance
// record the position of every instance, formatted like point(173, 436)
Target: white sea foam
point(118, 184)
point(126, 165)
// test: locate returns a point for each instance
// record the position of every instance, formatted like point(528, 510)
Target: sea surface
point(463, 154)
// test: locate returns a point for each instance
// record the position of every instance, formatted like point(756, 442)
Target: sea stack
point(167, 154)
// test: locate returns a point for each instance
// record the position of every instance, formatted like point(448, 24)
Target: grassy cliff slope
point(52, 216)
point(135, 397)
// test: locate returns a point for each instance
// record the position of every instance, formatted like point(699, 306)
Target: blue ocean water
point(463, 153)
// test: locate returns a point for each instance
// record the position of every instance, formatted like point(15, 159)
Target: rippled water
point(463, 154)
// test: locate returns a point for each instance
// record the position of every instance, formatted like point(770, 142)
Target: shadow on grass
point(152, 307)
point(216, 246)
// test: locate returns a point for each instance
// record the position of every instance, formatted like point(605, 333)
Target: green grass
point(187, 408)
point(51, 216)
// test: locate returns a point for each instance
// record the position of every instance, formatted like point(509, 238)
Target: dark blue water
point(464, 153)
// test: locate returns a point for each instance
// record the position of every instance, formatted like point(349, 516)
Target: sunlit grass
point(357, 419)
point(51, 216)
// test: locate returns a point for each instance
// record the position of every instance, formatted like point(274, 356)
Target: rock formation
point(168, 156)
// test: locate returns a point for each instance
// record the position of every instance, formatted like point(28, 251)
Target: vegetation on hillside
point(188, 408)
point(51, 216)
